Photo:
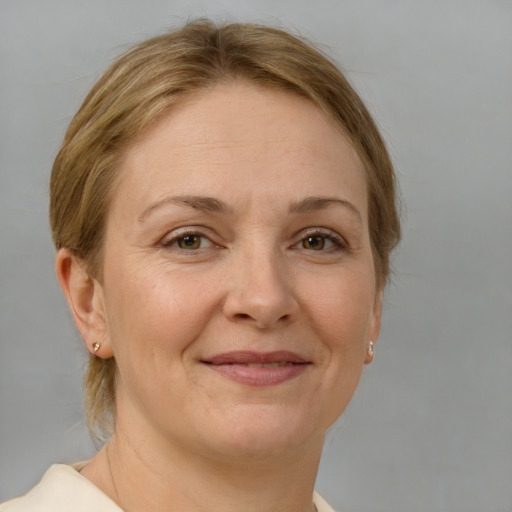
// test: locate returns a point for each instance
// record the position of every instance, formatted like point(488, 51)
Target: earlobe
point(84, 295)
point(374, 327)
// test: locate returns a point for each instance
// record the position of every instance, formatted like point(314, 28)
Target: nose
point(260, 291)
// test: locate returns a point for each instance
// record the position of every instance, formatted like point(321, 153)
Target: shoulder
point(62, 489)
point(320, 504)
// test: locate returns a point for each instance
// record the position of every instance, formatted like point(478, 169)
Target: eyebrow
point(213, 205)
point(202, 203)
point(313, 204)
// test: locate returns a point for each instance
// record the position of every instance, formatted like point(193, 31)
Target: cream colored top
point(64, 489)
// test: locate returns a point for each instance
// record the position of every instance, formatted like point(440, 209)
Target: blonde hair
point(150, 79)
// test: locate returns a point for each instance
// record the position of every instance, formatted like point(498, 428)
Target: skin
point(271, 270)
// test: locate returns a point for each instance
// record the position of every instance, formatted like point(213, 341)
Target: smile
point(269, 365)
point(258, 368)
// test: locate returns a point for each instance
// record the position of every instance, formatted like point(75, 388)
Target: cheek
point(155, 311)
point(342, 306)
point(153, 319)
point(340, 319)
point(341, 313)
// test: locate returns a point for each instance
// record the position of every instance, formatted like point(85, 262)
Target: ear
point(84, 295)
point(374, 330)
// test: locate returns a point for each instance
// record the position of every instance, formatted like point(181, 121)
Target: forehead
point(266, 141)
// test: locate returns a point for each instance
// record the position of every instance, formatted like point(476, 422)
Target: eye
point(315, 242)
point(187, 241)
point(320, 241)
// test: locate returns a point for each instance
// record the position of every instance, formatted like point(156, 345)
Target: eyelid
point(329, 234)
point(173, 236)
point(170, 239)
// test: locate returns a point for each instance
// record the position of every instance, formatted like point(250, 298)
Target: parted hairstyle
point(148, 80)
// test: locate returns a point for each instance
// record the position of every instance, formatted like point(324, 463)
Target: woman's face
point(238, 291)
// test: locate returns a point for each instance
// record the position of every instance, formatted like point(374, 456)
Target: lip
point(258, 368)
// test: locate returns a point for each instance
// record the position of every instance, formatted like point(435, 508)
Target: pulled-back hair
point(148, 80)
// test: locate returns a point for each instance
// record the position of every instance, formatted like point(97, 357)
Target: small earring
point(96, 347)
point(371, 351)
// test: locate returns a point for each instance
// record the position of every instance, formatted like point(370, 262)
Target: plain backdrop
point(430, 428)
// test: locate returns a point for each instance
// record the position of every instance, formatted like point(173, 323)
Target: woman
point(223, 209)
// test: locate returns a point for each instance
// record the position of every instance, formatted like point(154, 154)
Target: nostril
point(264, 305)
point(261, 322)
point(243, 316)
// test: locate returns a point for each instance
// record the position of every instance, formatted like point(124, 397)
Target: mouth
point(258, 368)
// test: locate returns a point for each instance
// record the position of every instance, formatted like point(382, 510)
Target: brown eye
point(189, 242)
point(314, 243)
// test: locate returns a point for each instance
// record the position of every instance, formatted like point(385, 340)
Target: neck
point(166, 478)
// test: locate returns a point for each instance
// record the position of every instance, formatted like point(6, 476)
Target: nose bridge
point(261, 288)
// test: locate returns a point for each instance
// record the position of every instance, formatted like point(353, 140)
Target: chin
point(262, 433)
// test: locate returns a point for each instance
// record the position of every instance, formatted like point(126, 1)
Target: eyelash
point(338, 242)
point(171, 243)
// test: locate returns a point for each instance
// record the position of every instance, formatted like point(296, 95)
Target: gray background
point(430, 428)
